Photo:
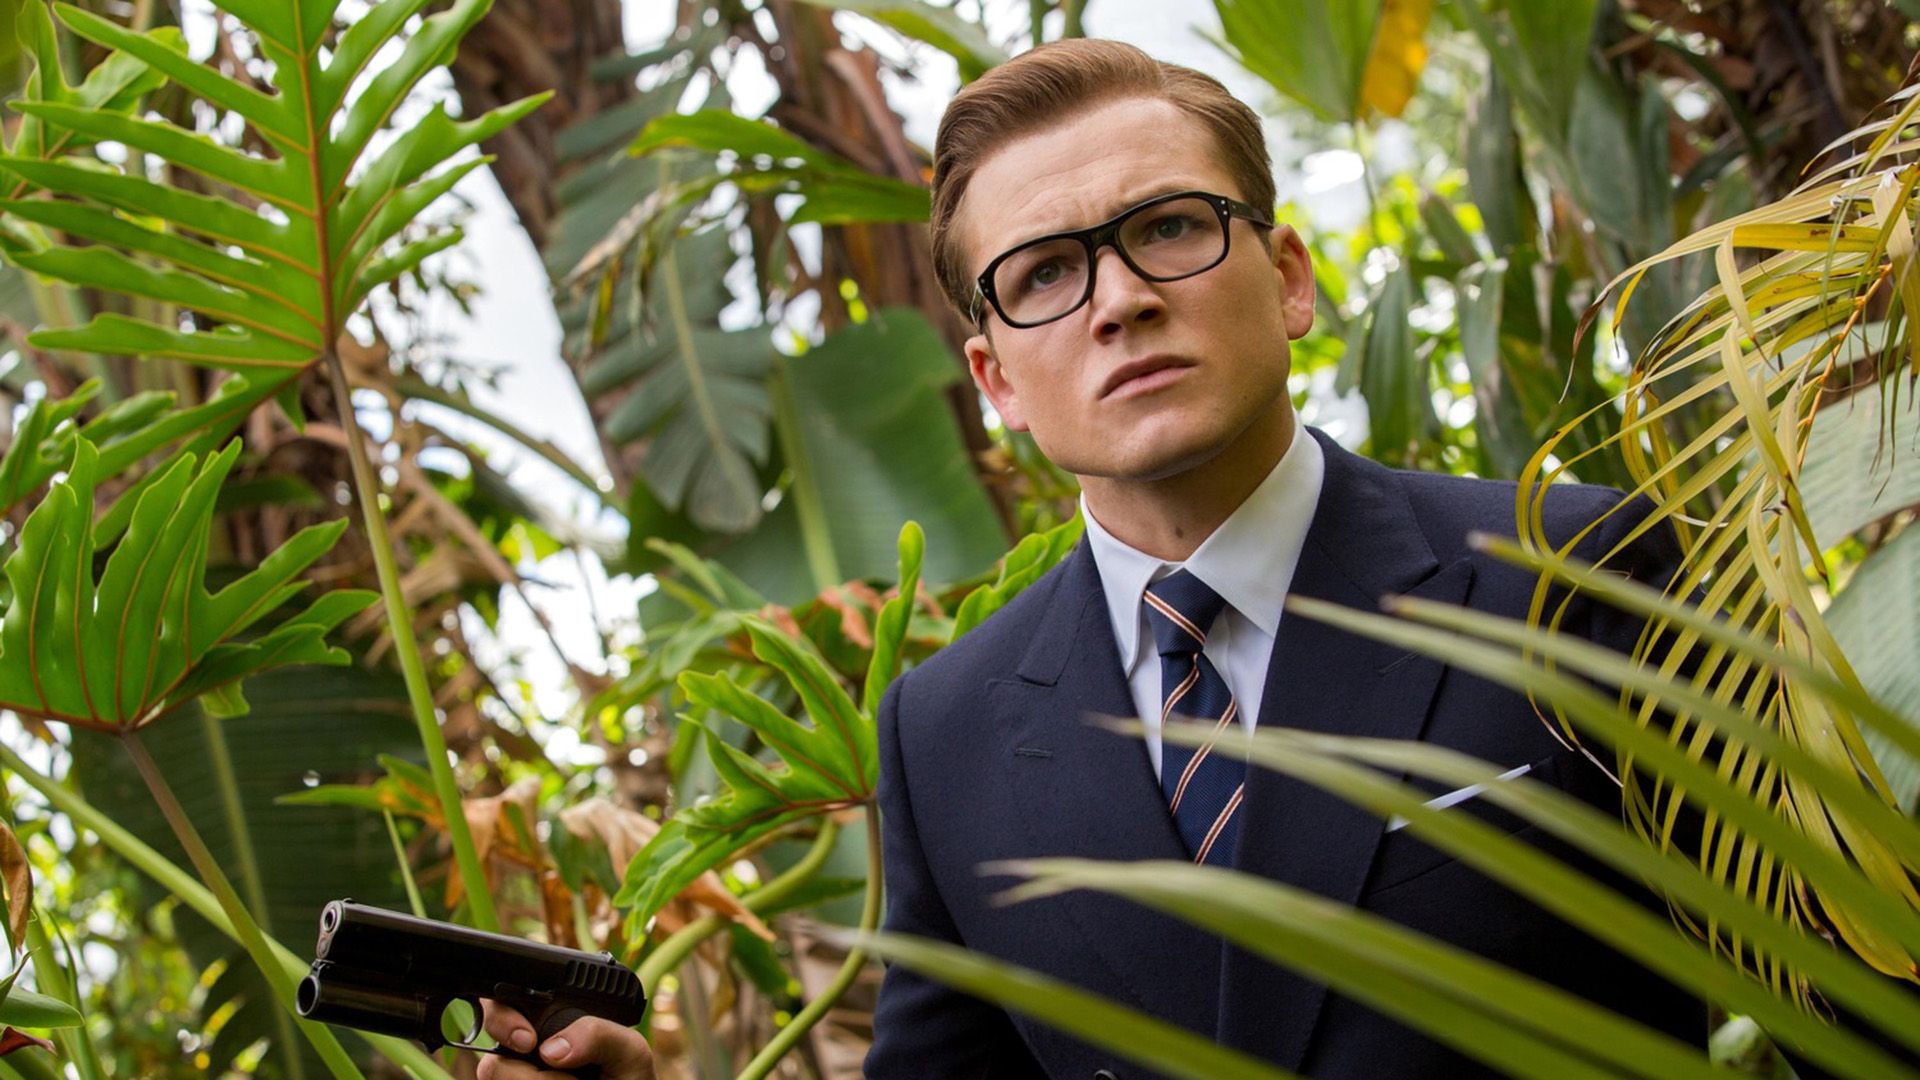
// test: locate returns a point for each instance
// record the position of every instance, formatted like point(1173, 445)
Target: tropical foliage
point(1600, 265)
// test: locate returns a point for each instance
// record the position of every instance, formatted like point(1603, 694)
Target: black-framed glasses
point(1166, 238)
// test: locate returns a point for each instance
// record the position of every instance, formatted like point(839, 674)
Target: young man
point(1105, 220)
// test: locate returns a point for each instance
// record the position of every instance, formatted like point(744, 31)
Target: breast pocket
point(1404, 856)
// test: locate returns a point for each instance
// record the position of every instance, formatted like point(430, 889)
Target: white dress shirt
point(1249, 560)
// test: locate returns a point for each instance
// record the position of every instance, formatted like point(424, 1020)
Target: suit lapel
point(1087, 792)
point(1364, 543)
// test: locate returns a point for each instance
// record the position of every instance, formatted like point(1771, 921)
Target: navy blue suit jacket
point(984, 756)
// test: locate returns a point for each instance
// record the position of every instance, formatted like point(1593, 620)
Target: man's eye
point(1045, 274)
point(1171, 227)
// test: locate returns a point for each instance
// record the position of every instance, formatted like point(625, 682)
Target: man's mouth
point(1140, 376)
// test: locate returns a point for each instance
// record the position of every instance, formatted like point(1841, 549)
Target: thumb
point(620, 1052)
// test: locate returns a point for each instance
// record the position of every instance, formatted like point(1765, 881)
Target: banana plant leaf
point(309, 726)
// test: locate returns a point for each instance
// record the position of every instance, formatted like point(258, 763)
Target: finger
point(495, 1067)
point(507, 1026)
point(621, 1052)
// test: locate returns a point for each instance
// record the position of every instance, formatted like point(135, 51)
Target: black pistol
point(392, 973)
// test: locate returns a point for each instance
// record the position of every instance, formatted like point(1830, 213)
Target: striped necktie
point(1203, 786)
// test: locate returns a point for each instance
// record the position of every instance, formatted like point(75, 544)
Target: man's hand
point(620, 1052)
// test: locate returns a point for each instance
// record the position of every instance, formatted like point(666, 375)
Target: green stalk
point(400, 624)
point(816, 539)
point(406, 872)
point(788, 1037)
point(251, 937)
point(236, 815)
point(75, 1043)
point(30, 1064)
point(675, 948)
point(85, 815)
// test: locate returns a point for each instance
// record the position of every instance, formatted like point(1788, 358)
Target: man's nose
point(1121, 298)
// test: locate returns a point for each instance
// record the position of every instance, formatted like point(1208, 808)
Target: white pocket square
point(1455, 798)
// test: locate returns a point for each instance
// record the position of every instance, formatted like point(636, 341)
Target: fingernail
point(522, 1040)
point(556, 1049)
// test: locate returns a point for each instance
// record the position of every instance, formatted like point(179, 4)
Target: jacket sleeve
point(922, 1029)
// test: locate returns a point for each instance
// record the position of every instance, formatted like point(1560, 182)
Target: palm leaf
point(273, 291)
point(1147, 1039)
point(1768, 345)
point(115, 655)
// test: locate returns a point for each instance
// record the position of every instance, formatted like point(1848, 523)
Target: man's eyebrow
point(1114, 208)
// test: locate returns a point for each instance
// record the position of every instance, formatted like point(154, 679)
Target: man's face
point(1214, 346)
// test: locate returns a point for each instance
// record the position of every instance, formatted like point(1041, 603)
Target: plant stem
point(75, 1043)
point(135, 851)
point(672, 951)
point(236, 815)
point(788, 1037)
point(400, 624)
point(406, 871)
point(251, 937)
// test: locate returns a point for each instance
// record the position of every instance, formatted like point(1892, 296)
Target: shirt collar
point(1249, 560)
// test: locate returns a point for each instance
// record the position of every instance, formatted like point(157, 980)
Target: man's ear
point(1294, 269)
point(992, 380)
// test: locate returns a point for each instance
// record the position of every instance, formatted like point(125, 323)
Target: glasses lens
point(1041, 281)
point(1173, 239)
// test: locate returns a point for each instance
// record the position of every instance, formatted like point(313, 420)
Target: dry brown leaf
point(16, 873)
point(12, 1039)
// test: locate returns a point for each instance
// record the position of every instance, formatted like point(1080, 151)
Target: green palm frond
point(273, 265)
point(1814, 301)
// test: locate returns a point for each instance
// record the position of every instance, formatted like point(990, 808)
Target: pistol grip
point(548, 1019)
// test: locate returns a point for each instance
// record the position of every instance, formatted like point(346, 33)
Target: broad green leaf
point(1506, 439)
point(29, 460)
point(306, 724)
point(28, 1009)
point(1553, 36)
point(149, 636)
point(1874, 619)
point(938, 26)
point(1493, 168)
point(870, 440)
point(1859, 463)
point(1313, 52)
point(115, 86)
point(1396, 382)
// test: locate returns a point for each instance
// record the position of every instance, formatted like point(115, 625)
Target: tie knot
point(1180, 608)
